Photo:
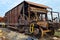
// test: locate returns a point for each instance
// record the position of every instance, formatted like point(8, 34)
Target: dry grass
point(57, 33)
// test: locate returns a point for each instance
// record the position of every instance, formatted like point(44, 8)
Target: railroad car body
point(32, 18)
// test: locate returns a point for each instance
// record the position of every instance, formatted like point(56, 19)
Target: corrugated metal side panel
point(19, 9)
point(16, 15)
point(11, 16)
point(8, 17)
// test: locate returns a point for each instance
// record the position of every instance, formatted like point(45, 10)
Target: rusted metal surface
point(40, 5)
point(1, 19)
point(12, 16)
point(22, 16)
point(38, 9)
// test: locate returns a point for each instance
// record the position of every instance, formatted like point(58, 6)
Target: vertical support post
point(58, 16)
point(46, 17)
point(52, 15)
point(23, 11)
point(29, 12)
point(36, 16)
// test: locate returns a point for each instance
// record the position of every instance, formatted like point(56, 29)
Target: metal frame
point(52, 13)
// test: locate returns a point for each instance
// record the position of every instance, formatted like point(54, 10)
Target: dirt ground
point(13, 35)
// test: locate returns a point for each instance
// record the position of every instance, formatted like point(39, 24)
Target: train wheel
point(51, 33)
point(38, 32)
point(41, 32)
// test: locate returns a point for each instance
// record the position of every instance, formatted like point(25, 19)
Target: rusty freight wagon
point(1, 19)
point(32, 18)
point(1, 22)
